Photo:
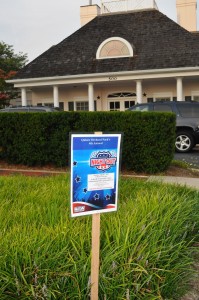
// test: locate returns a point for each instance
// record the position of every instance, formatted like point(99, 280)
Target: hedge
point(43, 138)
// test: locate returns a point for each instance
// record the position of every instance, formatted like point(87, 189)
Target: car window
point(30, 109)
point(37, 110)
point(18, 110)
point(141, 108)
point(190, 110)
point(162, 107)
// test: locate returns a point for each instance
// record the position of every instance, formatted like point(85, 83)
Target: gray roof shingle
point(157, 40)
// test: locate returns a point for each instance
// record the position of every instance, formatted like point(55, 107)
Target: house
point(118, 57)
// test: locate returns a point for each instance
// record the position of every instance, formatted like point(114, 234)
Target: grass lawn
point(145, 247)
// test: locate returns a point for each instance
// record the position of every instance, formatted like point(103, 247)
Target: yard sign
point(95, 160)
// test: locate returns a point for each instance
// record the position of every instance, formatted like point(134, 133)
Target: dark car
point(187, 120)
point(30, 109)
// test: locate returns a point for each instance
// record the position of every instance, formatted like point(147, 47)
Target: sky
point(33, 26)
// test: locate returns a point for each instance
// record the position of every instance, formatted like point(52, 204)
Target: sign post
point(95, 161)
point(95, 253)
point(95, 256)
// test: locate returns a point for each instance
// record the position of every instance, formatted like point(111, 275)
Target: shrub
point(148, 141)
point(43, 138)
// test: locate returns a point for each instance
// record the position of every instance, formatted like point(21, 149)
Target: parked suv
point(187, 120)
point(30, 109)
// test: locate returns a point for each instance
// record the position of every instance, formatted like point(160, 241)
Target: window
point(121, 95)
point(114, 47)
point(196, 98)
point(141, 108)
point(82, 105)
point(37, 109)
point(61, 105)
point(120, 105)
point(121, 100)
point(71, 106)
point(187, 98)
point(51, 104)
point(188, 111)
point(19, 110)
point(163, 96)
point(128, 104)
point(162, 99)
point(114, 105)
point(162, 107)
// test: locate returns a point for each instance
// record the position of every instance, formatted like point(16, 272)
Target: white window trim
point(114, 39)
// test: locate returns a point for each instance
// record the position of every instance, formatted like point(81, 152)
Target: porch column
point(23, 97)
point(179, 89)
point(139, 91)
point(91, 97)
point(56, 96)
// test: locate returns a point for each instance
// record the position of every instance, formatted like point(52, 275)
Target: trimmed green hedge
point(43, 138)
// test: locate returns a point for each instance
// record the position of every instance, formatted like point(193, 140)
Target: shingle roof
point(157, 40)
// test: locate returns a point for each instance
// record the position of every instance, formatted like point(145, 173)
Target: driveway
point(191, 158)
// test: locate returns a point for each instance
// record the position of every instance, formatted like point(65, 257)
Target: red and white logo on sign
point(103, 160)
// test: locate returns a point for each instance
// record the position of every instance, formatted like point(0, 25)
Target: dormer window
point(114, 47)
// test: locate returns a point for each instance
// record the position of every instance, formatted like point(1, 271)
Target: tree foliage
point(10, 63)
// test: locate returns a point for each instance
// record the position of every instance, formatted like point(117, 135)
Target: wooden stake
point(95, 252)
point(95, 256)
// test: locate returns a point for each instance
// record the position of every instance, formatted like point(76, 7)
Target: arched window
point(122, 95)
point(113, 48)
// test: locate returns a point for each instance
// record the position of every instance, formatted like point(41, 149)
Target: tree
point(10, 63)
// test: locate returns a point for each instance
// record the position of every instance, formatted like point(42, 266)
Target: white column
point(23, 97)
point(179, 89)
point(139, 91)
point(56, 96)
point(91, 96)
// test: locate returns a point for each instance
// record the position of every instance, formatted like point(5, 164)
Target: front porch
point(106, 93)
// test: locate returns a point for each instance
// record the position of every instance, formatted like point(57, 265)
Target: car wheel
point(184, 141)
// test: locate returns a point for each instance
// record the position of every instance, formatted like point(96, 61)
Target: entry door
point(120, 105)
